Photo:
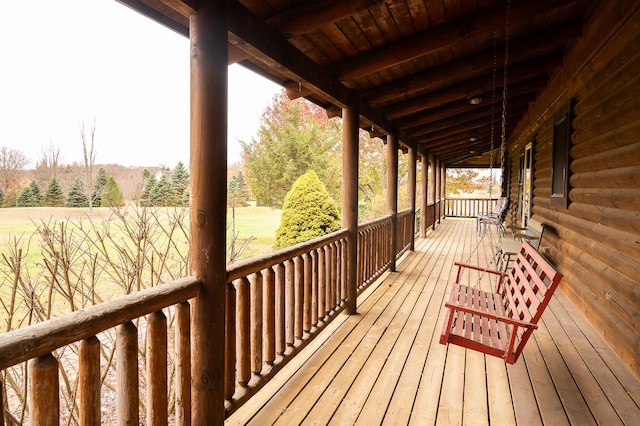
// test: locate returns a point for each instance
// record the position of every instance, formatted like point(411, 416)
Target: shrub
point(308, 212)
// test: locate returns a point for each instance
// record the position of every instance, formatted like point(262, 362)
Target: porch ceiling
point(415, 63)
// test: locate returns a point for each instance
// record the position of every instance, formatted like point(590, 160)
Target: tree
point(308, 212)
point(76, 196)
point(162, 194)
point(180, 185)
point(54, 196)
point(294, 137)
point(111, 194)
point(12, 162)
point(237, 191)
point(150, 183)
point(30, 196)
point(464, 181)
point(98, 187)
point(48, 166)
point(1, 197)
point(88, 157)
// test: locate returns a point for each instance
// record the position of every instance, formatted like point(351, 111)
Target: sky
point(67, 62)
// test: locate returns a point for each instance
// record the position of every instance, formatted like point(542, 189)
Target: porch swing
point(500, 322)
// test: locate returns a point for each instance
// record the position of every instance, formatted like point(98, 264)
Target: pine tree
point(162, 194)
point(308, 212)
point(145, 197)
point(25, 198)
point(76, 196)
point(54, 196)
point(101, 180)
point(1, 197)
point(180, 184)
point(237, 191)
point(111, 194)
point(36, 194)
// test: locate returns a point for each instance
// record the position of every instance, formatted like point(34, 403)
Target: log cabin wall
point(596, 241)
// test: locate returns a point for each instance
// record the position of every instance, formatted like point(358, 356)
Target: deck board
point(385, 365)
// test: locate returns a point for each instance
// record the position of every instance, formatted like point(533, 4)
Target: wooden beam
point(526, 77)
point(392, 195)
point(516, 96)
point(350, 140)
point(208, 166)
point(266, 44)
point(455, 73)
point(312, 15)
point(441, 37)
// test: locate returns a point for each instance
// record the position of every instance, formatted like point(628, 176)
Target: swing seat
point(500, 323)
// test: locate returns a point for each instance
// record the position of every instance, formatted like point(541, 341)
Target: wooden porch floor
point(385, 365)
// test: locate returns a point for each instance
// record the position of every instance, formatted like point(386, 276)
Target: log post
point(392, 195)
point(45, 401)
point(256, 323)
point(350, 139)
point(307, 292)
point(425, 192)
point(269, 316)
point(183, 364)
point(127, 374)
point(209, 54)
point(1, 403)
point(281, 344)
point(298, 292)
point(243, 344)
point(89, 381)
point(289, 312)
point(157, 369)
point(230, 345)
point(412, 197)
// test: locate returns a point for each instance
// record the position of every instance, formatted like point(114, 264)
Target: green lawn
point(255, 222)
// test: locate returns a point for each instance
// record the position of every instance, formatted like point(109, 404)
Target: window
point(525, 182)
point(561, 159)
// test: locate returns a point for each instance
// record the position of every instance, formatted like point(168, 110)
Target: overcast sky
point(68, 61)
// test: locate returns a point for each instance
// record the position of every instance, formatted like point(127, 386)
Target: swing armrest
point(477, 268)
point(501, 318)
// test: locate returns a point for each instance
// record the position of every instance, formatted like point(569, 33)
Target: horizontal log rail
point(468, 207)
point(38, 343)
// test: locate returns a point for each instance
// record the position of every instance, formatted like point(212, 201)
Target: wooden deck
point(385, 365)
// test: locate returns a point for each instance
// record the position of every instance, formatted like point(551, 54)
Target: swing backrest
point(529, 285)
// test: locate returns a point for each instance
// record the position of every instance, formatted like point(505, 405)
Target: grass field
point(256, 223)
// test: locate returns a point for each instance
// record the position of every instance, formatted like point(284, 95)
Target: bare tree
point(89, 158)
point(12, 162)
point(48, 166)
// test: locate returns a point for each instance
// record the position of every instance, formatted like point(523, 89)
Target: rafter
point(437, 38)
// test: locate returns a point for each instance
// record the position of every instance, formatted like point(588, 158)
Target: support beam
point(412, 193)
point(392, 194)
point(425, 195)
point(209, 53)
point(350, 138)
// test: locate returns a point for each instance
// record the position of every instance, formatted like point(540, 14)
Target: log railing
point(468, 207)
point(374, 250)
point(405, 219)
point(276, 304)
point(38, 343)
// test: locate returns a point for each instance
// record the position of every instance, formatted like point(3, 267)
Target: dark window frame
point(561, 157)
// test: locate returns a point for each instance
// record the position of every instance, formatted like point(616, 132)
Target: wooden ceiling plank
point(440, 37)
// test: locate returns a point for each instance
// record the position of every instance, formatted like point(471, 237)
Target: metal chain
point(503, 144)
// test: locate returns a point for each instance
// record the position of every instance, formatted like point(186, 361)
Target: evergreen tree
point(111, 194)
point(36, 194)
point(308, 212)
point(237, 191)
point(1, 197)
point(54, 196)
point(25, 198)
point(101, 180)
point(147, 191)
point(10, 198)
point(162, 194)
point(76, 196)
point(180, 184)
point(30, 196)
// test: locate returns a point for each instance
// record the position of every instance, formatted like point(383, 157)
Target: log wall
point(596, 241)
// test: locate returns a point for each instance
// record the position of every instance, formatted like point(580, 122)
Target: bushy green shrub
point(308, 212)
